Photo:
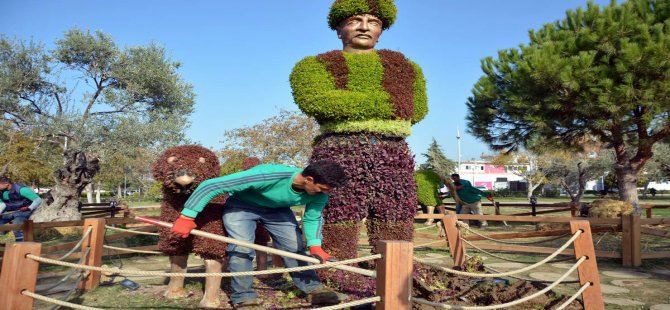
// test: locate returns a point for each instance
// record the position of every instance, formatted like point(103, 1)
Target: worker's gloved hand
point(24, 209)
point(317, 252)
point(183, 225)
point(490, 198)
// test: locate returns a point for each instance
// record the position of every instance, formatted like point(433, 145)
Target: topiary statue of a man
point(365, 101)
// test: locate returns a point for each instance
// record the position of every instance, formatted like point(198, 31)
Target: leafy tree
point(436, 161)
point(26, 161)
point(529, 166)
point(94, 99)
point(657, 168)
point(285, 138)
point(572, 170)
point(601, 73)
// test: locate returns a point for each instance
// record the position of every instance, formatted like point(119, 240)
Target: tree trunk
point(70, 181)
point(97, 193)
point(89, 193)
point(627, 177)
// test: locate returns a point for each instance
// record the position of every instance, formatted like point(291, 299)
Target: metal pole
point(458, 142)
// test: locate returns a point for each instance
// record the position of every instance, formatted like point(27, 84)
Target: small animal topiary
point(180, 170)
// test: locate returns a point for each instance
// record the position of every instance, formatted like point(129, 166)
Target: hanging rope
point(509, 304)
point(253, 246)
point(429, 243)
point(69, 274)
point(574, 296)
point(369, 273)
point(132, 231)
point(352, 304)
point(427, 227)
point(459, 223)
point(56, 301)
point(509, 259)
point(109, 247)
point(530, 280)
point(78, 245)
point(494, 275)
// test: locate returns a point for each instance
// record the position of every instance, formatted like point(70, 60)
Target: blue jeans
point(15, 218)
point(239, 220)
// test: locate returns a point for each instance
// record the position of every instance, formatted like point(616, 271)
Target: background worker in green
point(17, 203)
point(265, 194)
point(471, 196)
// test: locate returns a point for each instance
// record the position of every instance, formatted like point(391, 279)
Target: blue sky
point(238, 55)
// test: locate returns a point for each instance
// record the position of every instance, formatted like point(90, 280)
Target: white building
point(482, 173)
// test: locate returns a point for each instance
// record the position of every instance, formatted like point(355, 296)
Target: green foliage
point(155, 191)
point(315, 92)
point(343, 9)
point(427, 184)
point(364, 106)
point(135, 103)
point(420, 95)
point(26, 161)
point(437, 161)
point(285, 138)
point(600, 73)
point(397, 128)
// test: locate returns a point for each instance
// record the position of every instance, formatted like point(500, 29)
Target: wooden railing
point(631, 228)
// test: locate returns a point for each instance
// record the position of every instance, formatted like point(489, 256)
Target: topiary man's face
point(359, 33)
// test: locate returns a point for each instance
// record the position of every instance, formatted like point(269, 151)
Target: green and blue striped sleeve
point(207, 190)
point(312, 220)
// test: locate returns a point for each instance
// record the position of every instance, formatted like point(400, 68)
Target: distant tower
point(458, 141)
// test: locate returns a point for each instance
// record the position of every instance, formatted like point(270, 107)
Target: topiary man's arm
point(316, 93)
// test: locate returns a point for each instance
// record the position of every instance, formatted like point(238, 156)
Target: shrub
point(427, 184)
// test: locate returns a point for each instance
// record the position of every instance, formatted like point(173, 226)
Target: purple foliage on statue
point(381, 180)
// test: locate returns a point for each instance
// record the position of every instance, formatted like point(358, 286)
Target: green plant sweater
point(380, 92)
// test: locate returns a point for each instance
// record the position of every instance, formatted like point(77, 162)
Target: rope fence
point(509, 259)
point(470, 230)
point(394, 262)
point(494, 275)
point(119, 271)
point(131, 231)
point(68, 275)
point(78, 245)
point(109, 247)
point(509, 304)
point(57, 301)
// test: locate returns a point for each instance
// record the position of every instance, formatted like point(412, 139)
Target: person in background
point(471, 196)
point(17, 203)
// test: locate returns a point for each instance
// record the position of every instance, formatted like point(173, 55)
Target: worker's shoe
point(324, 296)
point(251, 304)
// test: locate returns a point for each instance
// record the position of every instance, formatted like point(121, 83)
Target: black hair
point(5, 179)
point(326, 172)
point(455, 175)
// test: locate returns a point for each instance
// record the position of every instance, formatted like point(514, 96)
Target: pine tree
point(599, 73)
point(436, 161)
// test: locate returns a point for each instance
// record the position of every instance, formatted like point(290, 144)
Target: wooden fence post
point(635, 241)
point(94, 242)
point(18, 274)
point(28, 231)
point(394, 275)
point(648, 209)
point(588, 270)
point(573, 209)
point(456, 245)
point(626, 250)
